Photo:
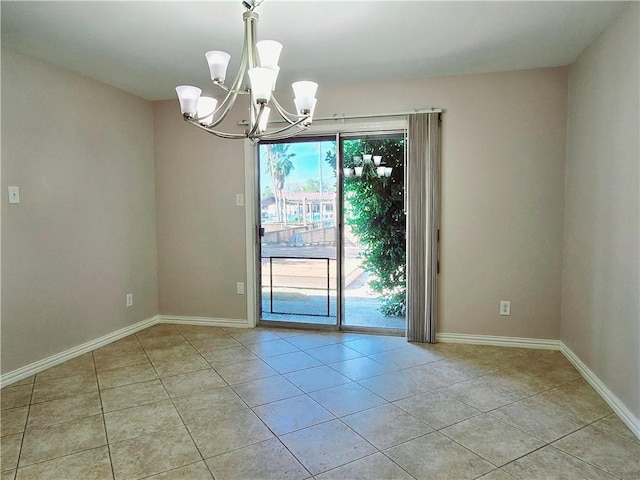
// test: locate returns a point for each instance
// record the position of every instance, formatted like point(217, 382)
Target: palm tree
point(280, 165)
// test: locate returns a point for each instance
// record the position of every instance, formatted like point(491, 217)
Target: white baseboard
point(614, 402)
point(539, 343)
point(617, 406)
point(206, 321)
point(36, 367)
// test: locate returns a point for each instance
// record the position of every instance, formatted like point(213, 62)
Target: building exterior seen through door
point(332, 232)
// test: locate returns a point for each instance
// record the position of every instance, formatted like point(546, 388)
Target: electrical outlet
point(505, 307)
point(129, 299)
point(240, 288)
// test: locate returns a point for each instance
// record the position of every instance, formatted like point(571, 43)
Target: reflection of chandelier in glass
point(259, 62)
point(360, 163)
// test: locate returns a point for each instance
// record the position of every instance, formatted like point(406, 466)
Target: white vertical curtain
point(423, 225)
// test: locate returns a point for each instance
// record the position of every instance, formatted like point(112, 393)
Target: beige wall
point(88, 200)
point(84, 233)
point(201, 233)
point(503, 193)
point(95, 205)
point(601, 284)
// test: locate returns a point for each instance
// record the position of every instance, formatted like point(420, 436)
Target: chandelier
point(259, 62)
point(360, 163)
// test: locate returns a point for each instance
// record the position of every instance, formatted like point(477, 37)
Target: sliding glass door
point(332, 226)
point(298, 226)
point(374, 233)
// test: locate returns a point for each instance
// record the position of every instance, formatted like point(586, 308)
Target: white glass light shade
point(188, 97)
point(302, 111)
point(261, 80)
point(387, 171)
point(218, 62)
point(348, 172)
point(377, 159)
point(206, 107)
point(358, 171)
point(381, 171)
point(268, 53)
point(304, 88)
point(367, 157)
point(305, 93)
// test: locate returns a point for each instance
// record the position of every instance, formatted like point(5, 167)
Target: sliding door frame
point(257, 255)
point(340, 137)
point(252, 220)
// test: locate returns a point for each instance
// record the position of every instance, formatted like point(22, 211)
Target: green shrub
point(374, 209)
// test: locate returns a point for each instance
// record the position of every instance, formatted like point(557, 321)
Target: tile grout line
point(170, 397)
point(231, 386)
point(174, 405)
point(485, 459)
point(275, 436)
point(501, 406)
point(64, 422)
point(24, 432)
point(489, 413)
point(339, 418)
point(395, 463)
point(104, 422)
point(578, 458)
point(308, 426)
point(545, 443)
point(314, 425)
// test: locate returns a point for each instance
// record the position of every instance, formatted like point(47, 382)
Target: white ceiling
point(147, 48)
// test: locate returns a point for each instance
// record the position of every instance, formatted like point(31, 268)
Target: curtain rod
point(342, 116)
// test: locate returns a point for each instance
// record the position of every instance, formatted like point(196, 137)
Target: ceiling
point(147, 48)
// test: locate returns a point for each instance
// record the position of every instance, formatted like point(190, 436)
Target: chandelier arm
point(236, 86)
point(218, 109)
point(282, 136)
point(256, 123)
point(232, 95)
point(230, 98)
point(272, 135)
point(250, 37)
point(232, 136)
point(248, 55)
point(228, 89)
point(291, 118)
point(232, 92)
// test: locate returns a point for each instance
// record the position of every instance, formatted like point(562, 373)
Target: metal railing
point(318, 236)
point(328, 285)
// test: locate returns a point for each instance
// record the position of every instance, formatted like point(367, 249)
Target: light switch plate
point(14, 194)
point(239, 200)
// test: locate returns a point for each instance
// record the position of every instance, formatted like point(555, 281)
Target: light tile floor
point(191, 402)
